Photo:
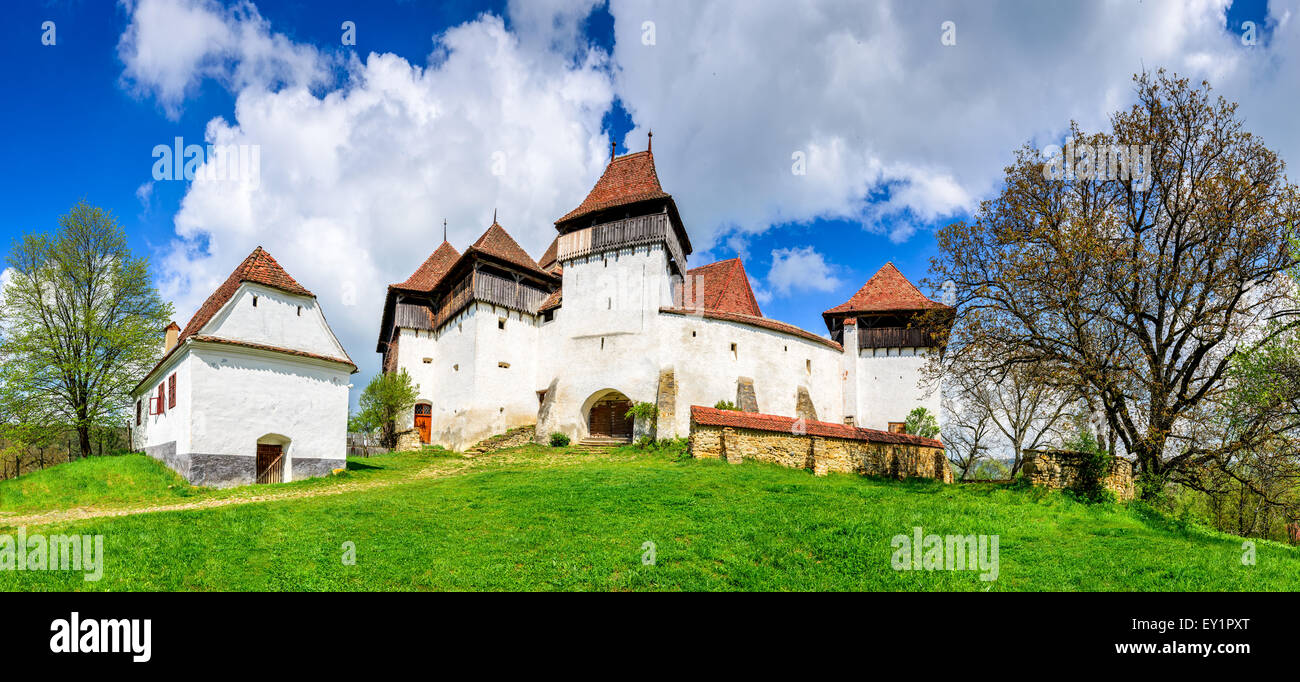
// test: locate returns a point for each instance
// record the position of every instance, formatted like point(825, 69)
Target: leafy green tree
point(921, 422)
point(726, 405)
point(80, 323)
point(387, 396)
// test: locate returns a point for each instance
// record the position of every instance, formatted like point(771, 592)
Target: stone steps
point(600, 443)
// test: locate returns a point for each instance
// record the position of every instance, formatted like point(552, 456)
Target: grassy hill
point(537, 518)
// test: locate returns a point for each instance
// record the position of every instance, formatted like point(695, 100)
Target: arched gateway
point(607, 416)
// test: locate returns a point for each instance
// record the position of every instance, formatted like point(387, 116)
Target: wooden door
point(270, 463)
point(424, 422)
point(608, 419)
point(598, 423)
point(620, 426)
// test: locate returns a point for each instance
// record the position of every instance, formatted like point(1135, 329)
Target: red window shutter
point(137, 413)
point(171, 391)
point(162, 395)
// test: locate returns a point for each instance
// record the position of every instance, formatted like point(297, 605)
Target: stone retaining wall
point(1061, 469)
point(819, 454)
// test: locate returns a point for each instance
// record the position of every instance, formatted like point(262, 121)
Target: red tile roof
point(427, 276)
point(552, 254)
point(551, 302)
point(763, 322)
point(627, 180)
point(887, 290)
point(709, 416)
point(260, 268)
point(497, 242)
point(725, 288)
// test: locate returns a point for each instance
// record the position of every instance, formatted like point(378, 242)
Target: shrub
point(646, 413)
point(726, 405)
point(1093, 469)
point(559, 440)
point(646, 442)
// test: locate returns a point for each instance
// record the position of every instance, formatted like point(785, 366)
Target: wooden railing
point(894, 337)
point(460, 296)
point(646, 229)
point(489, 288)
point(507, 292)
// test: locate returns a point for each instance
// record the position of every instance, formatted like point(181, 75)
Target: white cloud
point(881, 109)
point(170, 46)
point(362, 157)
point(354, 182)
point(144, 193)
point(801, 269)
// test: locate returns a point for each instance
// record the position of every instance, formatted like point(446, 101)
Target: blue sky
point(902, 136)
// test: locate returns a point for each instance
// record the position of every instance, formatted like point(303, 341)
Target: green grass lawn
point(128, 481)
point(553, 519)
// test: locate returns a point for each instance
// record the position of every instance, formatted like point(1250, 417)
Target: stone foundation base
point(226, 471)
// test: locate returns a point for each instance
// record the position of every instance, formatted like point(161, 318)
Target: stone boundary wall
point(1060, 470)
point(820, 454)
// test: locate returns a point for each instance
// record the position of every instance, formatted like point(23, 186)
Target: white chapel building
point(253, 390)
point(612, 314)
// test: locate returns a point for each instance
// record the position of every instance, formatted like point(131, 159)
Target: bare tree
point(1135, 273)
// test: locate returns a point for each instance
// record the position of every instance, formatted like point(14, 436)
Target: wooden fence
point(364, 445)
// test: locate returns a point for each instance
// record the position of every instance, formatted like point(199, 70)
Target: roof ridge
point(885, 291)
point(258, 267)
point(432, 270)
point(627, 179)
point(496, 241)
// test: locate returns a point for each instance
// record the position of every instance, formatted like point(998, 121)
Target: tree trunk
point(83, 440)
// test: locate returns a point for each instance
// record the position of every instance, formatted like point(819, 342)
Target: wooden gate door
point(608, 419)
point(270, 463)
point(598, 423)
point(424, 422)
point(620, 425)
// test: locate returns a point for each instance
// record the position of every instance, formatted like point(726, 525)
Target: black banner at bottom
point(152, 632)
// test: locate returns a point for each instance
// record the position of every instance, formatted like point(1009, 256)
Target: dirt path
point(440, 470)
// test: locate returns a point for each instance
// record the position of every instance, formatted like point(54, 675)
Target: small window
point(171, 391)
point(299, 311)
point(455, 368)
point(807, 366)
point(734, 354)
point(609, 304)
point(503, 365)
point(692, 334)
point(897, 427)
point(848, 419)
point(427, 360)
point(254, 301)
point(602, 343)
point(501, 323)
point(162, 396)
